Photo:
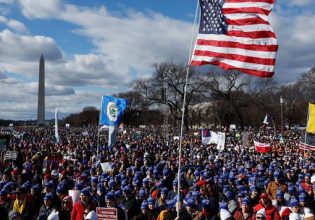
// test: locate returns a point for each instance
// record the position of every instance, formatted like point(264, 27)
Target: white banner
point(221, 141)
point(56, 126)
point(106, 167)
point(209, 137)
point(112, 133)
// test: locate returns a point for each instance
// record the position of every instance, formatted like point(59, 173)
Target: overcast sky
point(101, 46)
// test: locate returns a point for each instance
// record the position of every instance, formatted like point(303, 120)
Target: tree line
point(213, 98)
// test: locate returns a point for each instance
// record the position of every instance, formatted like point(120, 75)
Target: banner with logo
point(112, 110)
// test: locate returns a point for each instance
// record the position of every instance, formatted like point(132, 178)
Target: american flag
point(307, 142)
point(236, 34)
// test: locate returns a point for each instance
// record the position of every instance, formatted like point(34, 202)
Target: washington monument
point(41, 93)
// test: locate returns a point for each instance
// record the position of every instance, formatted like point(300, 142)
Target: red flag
point(262, 147)
point(236, 34)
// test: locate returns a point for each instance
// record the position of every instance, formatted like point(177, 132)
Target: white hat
point(232, 205)
point(294, 216)
point(261, 212)
point(224, 214)
point(91, 216)
point(53, 216)
point(54, 173)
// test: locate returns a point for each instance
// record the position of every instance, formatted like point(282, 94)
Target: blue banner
point(112, 110)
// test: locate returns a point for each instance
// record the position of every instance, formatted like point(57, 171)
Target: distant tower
point(41, 93)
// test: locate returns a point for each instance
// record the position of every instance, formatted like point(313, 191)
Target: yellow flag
point(311, 119)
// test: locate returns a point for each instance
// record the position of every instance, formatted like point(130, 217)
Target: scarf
point(19, 208)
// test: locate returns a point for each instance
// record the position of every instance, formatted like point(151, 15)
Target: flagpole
point(98, 128)
point(183, 109)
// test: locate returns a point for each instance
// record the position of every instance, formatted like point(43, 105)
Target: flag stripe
point(229, 44)
point(243, 40)
point(251, 10)
point(249, 28)
point(263, 149)
point(239, 64)
point(235, 51)
point(241, 16)
point(251, 5)
point(255, 34)
point(225, 66)
point(238, 1)
point(247, 21)
point(237, 57)
point(304, 146)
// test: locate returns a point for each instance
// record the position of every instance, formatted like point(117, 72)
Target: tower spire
point(41, 93)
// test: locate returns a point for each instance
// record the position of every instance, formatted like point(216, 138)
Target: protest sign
point(106, 213)
point(106, 167)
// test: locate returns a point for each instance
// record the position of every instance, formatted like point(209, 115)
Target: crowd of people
point(142, 181)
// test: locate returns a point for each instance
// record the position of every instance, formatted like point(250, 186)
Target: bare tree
point(265, 98)
point(295, 103)
point(307, 82)
point(227, 91)
point(166, 88)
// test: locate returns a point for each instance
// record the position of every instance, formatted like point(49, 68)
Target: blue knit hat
point(279, 194)
point(206, 203)
point(229, 195)
point(48, 196)
point(245, 201)
point(144, 205)
point(151, 200)
point(86, 192)
point(127, 189)
point(164, 190)
point(110, 196)
point(294, 202)
point(223, 205)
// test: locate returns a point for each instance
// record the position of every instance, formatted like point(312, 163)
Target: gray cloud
point(27, 48)
point(3, 75)
point(58, 91)
point(296, 43)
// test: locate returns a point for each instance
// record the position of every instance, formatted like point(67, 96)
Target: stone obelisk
point(41, 93)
